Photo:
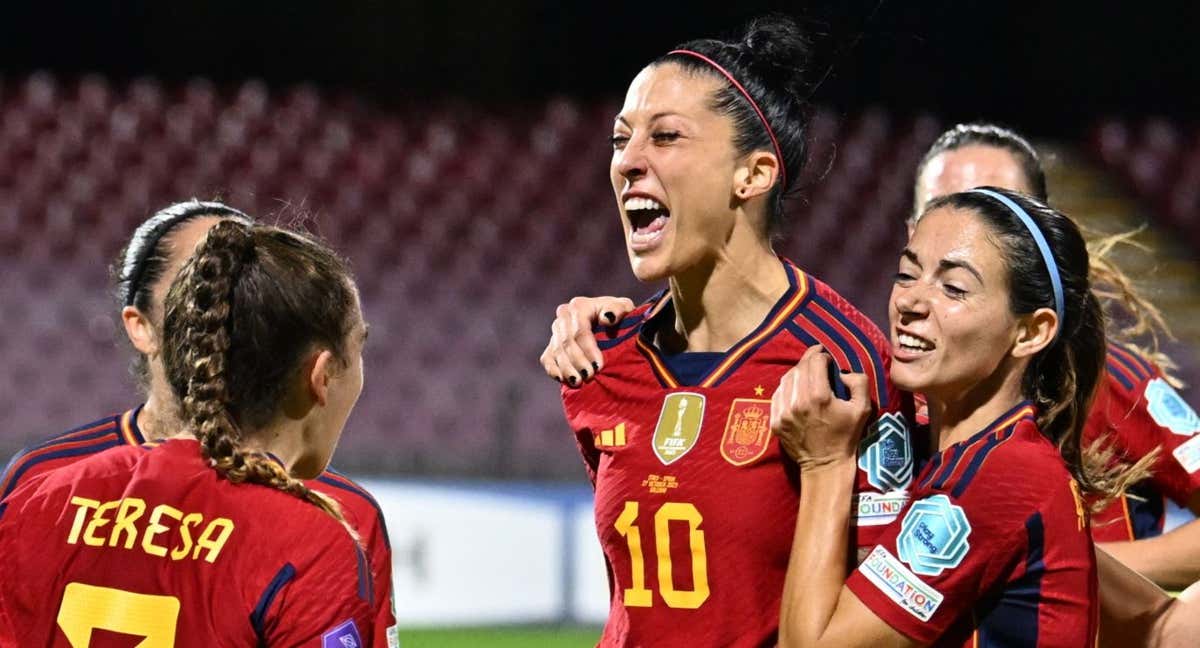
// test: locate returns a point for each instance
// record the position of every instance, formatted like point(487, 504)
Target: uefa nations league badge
point(1169, 410)
point(933, 535)
point(886, 454)
point(344, 636)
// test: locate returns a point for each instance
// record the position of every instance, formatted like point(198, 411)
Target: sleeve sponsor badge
point(1188, 454)
point(678, 426)
point(899, 584)
point(877, 509)
point(344, 636)
point(1169, 410)
point(933, 536)
point(886, 454)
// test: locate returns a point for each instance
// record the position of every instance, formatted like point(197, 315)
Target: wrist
point(833, 465)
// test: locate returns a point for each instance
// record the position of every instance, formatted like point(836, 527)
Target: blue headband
point(1043, 247)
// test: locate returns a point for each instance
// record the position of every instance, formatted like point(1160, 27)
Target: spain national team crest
point(678, 426)
point(747, 432)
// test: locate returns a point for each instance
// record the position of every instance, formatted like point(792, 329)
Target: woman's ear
point(756, 175)
point(140, 330)
point(324, 364)
point(1035, 332)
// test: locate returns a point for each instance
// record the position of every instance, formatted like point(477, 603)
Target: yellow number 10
point(86, 608)
point(638, 595)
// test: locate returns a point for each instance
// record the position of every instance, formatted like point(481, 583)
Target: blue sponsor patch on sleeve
point(886, 455)
point(1169, 410)
point(343, 636)
point(933, 536)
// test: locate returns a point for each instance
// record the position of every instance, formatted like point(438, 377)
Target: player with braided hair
point(142, 274)
point(209, 536)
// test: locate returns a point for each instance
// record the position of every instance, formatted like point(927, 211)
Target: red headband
point(753, 104)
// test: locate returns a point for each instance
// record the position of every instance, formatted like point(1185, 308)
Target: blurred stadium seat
point(466, 226)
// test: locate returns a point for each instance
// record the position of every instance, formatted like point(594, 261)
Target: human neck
point(158, 419)
point(718, 302)
point(960, 416)
point(284, 439)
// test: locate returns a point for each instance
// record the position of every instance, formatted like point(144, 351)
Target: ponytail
point(1116, 291)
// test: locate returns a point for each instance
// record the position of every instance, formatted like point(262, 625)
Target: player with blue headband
point(992, 317)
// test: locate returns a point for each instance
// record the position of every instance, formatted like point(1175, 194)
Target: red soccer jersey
point(149, 541)
point(993, 550)
point(1136, 411)
point(695, 501)
point(358, 507)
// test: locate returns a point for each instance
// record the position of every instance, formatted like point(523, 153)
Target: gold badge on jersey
point(678, 426)
point(747, 432)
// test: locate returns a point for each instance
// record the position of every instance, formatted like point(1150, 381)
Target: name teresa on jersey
point(92, 516)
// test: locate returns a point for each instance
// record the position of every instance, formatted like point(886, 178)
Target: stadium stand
point(466, 226)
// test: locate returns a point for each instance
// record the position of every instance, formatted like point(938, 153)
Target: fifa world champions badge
point(747, 431)
point(886, 454)
point(678, 426)
point(1169, 410)
point(933, 536)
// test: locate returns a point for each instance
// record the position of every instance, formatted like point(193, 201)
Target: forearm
point(1171, 560)
point(1132, 608)
point(817, 566)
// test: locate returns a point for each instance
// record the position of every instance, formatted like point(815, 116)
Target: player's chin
point(910, 377)
point(650, 267)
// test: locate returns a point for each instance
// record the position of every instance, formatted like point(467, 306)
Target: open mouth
point(647, 219)
point(913, 344)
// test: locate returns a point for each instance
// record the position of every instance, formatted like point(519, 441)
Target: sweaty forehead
point(668, 88)
point(969, 167)
point(954, 234)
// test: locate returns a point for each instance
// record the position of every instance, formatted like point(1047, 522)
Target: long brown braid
point(209, 314)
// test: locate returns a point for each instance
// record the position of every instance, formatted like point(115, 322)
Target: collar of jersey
point(131, 434)
point(781, 312)
point(1021, 411)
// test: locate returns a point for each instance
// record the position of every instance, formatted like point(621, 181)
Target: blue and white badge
point(886, 455)
point(1169, 410)
point(933, 536)
point(344, 636)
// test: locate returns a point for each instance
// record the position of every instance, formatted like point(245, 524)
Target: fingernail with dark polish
point(610, 317)
point(572, 380)
point(595, 366)
point(585, 373)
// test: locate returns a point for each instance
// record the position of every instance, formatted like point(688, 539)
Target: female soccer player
point(207, 537)
point(993, 320)
point(690, 490)
point(143, 271)
point(1137, 409)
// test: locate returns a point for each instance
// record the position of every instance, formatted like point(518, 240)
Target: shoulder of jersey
point(350, 494)
point(73, 445)
point(626, 330)
point(1127, 369)
point(1014, 453)
point(826, 298)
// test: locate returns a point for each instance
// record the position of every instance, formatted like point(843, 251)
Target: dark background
point(1049, 68)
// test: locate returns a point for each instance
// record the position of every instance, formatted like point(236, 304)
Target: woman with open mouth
point(693, 497)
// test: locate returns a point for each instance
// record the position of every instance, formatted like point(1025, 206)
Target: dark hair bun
point(777, 50)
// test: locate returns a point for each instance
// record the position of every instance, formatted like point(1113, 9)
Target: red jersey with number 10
point(695, 500)
point(148, 542)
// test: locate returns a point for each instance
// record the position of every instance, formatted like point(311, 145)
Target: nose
point(630, 162)
point(910, 302)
